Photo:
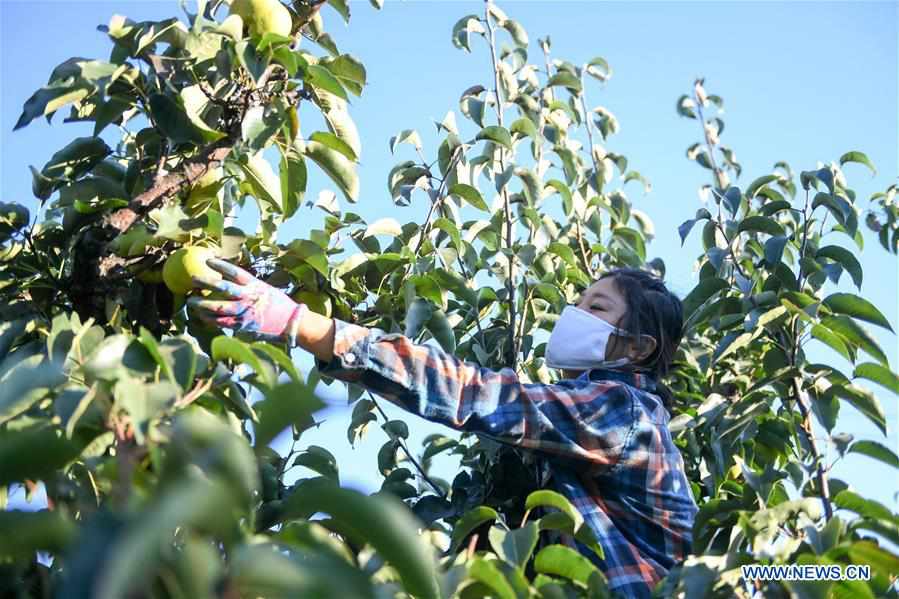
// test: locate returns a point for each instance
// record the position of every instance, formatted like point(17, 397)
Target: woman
point(604, 426)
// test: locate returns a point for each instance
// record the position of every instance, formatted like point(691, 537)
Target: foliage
point(137, 419)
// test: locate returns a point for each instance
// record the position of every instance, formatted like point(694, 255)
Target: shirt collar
point(640, 380)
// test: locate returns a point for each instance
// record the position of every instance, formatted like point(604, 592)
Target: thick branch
point(167, 186)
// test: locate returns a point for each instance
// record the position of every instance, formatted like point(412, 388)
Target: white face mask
point(579, 339)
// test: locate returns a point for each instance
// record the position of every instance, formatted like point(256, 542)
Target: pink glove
point(254, 307)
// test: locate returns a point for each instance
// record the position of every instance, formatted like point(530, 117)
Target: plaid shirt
point(606, 436)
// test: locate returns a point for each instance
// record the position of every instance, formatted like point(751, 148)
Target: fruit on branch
point(263, 16)
point(184, 264)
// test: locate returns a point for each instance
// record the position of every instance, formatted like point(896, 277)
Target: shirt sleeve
point(585, 420)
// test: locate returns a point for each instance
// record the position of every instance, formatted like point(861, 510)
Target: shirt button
point(350, 358)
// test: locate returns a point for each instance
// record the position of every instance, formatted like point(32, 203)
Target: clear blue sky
point(802, 82)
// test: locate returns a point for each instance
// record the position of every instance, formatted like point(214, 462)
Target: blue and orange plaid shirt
point(605, 434)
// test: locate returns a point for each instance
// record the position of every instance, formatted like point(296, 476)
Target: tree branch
point(412, 459)
point(168, 185)
point(512, 358)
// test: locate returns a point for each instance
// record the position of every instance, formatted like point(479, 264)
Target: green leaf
point(193, 502)
point(774, 249)
point(35, 452)
point(266, 570)
point(335, 143)
point(408, 136)
point(362, 416)
point(845, 258)
point(337, 166)
point(868, 508)
point(525, 127)
point(496, 134)
point(348, 70)
point(284, 405)
point(342, 7)
point(599, 69)
point(566, 80)
point(25, 532)
point(518, 33)
point(319, 460)
point(547, 498)
point(462, 30)
point(397, 429)
point(77, 158)
point(490, 576)
point(870, 553)
point(857, 335)
point(876, 450)
point(879, 374)
point(144, 402)
point(563, 522)
point(514, 546)
point(831, 339)
point(470, 195)
point(382, 521)
point(384, 226)
point(440, 327)
point(559, 560)
point(860, 158)
point(320, 77)
point(229, 348)
point(841, 210)
point(861, 399)
point(277, 356)
point(173, 121)
point(762, 224)
point(857, 307)
point(259, 124)
point(470, 521)
point(758, 184)
point(532, 184)
point(701, 293)
point(263, 182)
point(49, 99)
point(293, 176)
point(685, 106)
point(26, 383)
point(684, 229)
point(417, 314)
point(195, 102)
point(149, 342)
point(563, 251)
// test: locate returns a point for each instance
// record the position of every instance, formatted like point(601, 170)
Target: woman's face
point(604, 300)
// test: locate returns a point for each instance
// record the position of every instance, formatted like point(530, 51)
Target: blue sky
point(802, 82)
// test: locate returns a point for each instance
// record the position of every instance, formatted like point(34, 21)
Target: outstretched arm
point(586, 420)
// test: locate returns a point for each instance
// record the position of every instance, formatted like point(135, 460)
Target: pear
point(185, 263)
point(263, 16)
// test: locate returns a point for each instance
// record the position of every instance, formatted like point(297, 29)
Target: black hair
point(652, 309)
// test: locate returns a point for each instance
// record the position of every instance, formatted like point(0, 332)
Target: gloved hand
point(253, 307)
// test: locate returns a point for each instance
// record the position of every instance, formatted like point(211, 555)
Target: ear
point(643, 348)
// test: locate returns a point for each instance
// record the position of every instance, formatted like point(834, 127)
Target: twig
point(580, 241)
point(524, 313)
point(471, 545)
point(412, 459)
point(198, 390)
point(507, 210)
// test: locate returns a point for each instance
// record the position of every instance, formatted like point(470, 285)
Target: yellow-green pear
point(263, 16)
point(184, 264)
